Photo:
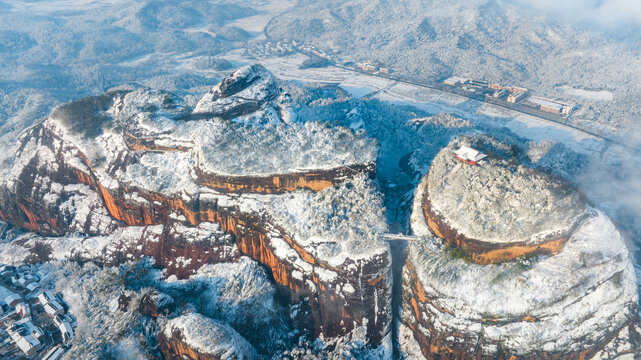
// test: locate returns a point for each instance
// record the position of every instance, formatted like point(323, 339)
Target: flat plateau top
point(500, 201)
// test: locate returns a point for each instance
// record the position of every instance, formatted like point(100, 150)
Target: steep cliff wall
point(356, 293)
point(281, 183)
point(422, 337)
point(483, 252)
point(573, 301)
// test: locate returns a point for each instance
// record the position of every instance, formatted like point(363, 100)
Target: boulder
point(155, 303)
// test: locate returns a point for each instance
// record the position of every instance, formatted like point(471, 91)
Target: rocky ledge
point(133, 175)
point(193, 336)
point(576, 302)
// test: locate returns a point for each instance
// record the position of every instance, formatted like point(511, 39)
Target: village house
point(26, 336)
point(65, 328)
point(51, 306)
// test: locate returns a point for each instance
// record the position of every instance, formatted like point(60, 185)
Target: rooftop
point(468, 153)
point(545, 102)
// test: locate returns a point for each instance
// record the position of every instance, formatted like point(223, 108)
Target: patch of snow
point(599, 95)
point(279, 148)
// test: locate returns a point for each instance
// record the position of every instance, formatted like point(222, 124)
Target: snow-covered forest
point(161, 60)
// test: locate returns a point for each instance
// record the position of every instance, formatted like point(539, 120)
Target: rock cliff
point(568, 302)
point(135, 175)
point(196, 337)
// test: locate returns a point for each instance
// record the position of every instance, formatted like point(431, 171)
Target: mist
point(611, 13)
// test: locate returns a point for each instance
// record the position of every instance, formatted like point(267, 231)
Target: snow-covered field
point(601, 95)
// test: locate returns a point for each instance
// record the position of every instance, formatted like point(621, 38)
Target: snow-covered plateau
point(498, 201)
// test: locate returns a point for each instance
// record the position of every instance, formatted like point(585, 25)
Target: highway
point(609, 141)
point(428, 86)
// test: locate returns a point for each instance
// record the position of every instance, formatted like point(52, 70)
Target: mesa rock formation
point(135, 174)
point(499, 210)
point(486, 283)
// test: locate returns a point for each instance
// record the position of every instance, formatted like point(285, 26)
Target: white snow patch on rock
point(210, 337)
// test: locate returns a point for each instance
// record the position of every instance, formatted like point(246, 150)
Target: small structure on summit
point(469, 155)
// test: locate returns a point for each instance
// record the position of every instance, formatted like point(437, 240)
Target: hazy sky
point(603, 12)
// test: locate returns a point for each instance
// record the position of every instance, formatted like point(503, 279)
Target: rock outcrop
point(155, 303)
point(250, 90)
point(149, 183)
point(569, 303)
point(193, 336)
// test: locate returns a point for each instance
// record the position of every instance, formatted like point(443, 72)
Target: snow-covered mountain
point(184, 209)
point(475, 294)
point(554, 51)
point(136, 174)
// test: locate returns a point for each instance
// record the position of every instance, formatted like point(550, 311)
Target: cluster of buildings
point(373, 67)
point(270, 48)
point(34, 323)
point(510, 94)
point(310, 49)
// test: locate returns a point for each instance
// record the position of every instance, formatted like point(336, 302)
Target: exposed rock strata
point(498, 211)
point(193, 336)
point(335, 311)
point(281, 183)
point(135, 192)
point(577, 302)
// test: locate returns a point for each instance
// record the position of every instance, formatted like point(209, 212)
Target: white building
point(53, 308)
point(65, 328)
point(455, 80)
point(54, 354)
point(25, 335)
point(32, 286)
point(469, 155)
point(46, 296)
point(12, 300)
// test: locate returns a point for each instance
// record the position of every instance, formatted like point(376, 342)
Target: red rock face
point(450, 345)
point(277, 184)
point(482, 252)
point(175, 348)
point(334, 311)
